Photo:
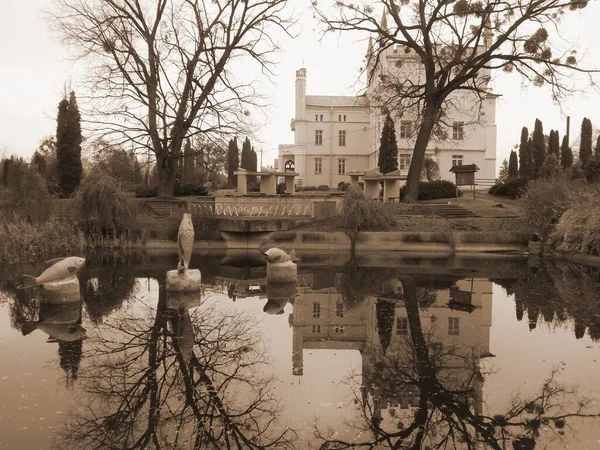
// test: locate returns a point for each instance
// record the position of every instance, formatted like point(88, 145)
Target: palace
point(336, 135)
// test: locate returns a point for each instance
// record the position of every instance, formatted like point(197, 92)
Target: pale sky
point(34, 67)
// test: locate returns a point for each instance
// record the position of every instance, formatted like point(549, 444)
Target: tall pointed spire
point(384, 24)
point(370, 48)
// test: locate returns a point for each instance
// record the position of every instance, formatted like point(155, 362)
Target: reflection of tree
point(70, 357)
point(105, 289)
point(443, 383)
point(558, 292)
point(386, 313)
point(356, 283)
point(144, 389)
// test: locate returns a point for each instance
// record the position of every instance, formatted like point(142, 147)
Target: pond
point(376, 351)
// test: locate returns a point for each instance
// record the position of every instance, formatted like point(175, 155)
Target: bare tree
point(165, 378)
point(452, 47)
point(161, 70)
point(443, 382)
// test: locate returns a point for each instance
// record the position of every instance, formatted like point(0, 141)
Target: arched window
point(290, 166)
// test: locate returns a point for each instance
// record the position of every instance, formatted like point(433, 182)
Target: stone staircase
point(449, 211)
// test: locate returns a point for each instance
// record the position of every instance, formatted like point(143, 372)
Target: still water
point(379, 351)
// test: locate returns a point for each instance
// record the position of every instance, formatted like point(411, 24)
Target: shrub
point(322, 187)
point(102, 207)
point(343, 186)
point(253, 186)
point(362, 214)
point(190, 189)
point(511, 188)
point(280, 189)
point(146, 191)
point(430, 190)
point(578, 228)
point(545, 201)
point(592, 169)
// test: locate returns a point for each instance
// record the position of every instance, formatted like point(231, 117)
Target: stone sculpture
point(60, 268)
point(185, 242)
point(184, 279)
point(281, 267)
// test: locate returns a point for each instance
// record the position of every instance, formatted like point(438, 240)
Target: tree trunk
point(418, 156)
point(166, 177)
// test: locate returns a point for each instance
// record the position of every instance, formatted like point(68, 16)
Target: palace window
point(341, 166)
point(453, 326)
point(339, 329)
point(342, 138)
point(339, 309)
point(316, 310)
point(318, 166)
point(318, 137)
point(458, 130)
point(318, 117)
point(402, 326)
point(341, 117)
point(405, 129)
point(457, 160)
point(316, 328)
point(404, 162)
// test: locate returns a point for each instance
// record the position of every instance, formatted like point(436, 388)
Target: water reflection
point(171, 371)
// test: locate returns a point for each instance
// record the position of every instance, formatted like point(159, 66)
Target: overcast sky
point(34, 67)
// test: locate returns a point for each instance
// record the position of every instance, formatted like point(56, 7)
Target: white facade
point(331, 137)
point(470, 130)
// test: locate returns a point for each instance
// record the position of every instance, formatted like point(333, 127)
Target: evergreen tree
point(597, 147)
point(388, 148)
point(551, 168)
point(68, 146)
point(188, 163)
point(585, 147)
point(5, 170)
point(246, 159)
point(503, 173)
point(554, 144)
point(513, 166)
point(525, 159)
point(566, 155)
point(39, 162)
point(254, 164)
point(233, 162)
point(592, 169)
point(539, 148)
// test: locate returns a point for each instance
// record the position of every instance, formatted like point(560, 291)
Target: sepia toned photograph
point(299, 224)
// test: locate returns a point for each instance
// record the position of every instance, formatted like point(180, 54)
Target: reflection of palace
point(458, 318)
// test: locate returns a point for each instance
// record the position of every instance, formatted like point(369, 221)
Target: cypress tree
point(585, 147)
point(233, 162)
point(39, 162)
point(388, 148)
point(525, 162)
point(539, 148)
point(513, 166)
point(566, 155)
point(597, 147)
point(554, 144)
point(68, 146)
point(246, 159)
point(254, 165)
point(5, 170)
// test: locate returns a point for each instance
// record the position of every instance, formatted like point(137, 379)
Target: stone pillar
point(289, 185)
point(242, 183)
point(268, 184)
point(187, 281)
point(372, 188)
point(391, 188)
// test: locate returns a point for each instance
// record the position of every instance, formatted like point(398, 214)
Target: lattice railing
point(252, 210)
